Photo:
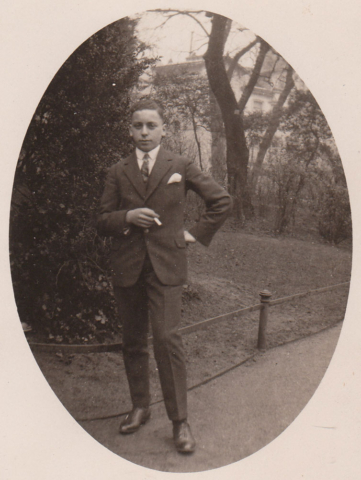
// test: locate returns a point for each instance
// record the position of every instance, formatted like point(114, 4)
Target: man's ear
point(130, 130)
point(164, 129)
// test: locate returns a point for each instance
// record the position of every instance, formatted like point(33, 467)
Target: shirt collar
point(153, 153)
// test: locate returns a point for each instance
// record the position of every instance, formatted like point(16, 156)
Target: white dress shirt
point(152, 157)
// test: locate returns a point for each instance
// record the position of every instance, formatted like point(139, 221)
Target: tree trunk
point(198, 143)
point(218, 145)
point(237, 151)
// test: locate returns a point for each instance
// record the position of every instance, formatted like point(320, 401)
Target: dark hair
point(147, 104)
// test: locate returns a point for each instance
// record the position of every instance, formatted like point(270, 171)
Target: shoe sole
point(185, 452)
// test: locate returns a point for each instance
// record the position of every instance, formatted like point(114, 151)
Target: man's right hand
point(141, 217)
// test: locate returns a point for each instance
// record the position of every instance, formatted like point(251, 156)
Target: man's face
point(147, 129)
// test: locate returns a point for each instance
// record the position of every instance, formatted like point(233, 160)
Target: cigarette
point(157, 221)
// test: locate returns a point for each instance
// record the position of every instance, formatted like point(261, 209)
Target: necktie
point(145, 168)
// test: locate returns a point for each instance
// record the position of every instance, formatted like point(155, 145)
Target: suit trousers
point(149, 301)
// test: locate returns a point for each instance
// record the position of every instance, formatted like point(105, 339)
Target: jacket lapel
point(132, 171)
point(161, 167)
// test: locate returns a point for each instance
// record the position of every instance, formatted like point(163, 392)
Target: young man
point(142, 208)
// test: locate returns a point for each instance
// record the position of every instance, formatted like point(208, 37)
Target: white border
point(320, 38)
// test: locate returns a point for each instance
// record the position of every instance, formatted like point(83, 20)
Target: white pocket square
point(175, 178)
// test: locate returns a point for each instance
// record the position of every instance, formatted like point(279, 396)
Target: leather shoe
point(134, 419)
point(183, 438)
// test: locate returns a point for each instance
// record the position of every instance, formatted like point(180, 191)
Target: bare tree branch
point(170, 10)
point(96, 265)
point(238, 56)
point(200, 47)
point(278, 59)
point(247, 92)
point(188, 13)
point(60, 269)
point(166, 20)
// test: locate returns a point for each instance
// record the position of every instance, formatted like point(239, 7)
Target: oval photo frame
point(64, 210)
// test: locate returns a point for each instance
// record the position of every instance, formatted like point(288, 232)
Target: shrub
point(334, 213)
point(58, 262)
point(281, 186)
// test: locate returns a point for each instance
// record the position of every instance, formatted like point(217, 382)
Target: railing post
point(263, 317)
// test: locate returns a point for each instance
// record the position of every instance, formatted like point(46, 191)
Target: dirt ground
point(225, 277)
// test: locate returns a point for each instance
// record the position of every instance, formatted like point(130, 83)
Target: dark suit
point(149, 266)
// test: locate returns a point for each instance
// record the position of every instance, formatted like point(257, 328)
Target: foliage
point(287, 187)
point(305, 126)
point(80, 128)
point(283, 181)
point(310, 144)
point(303, 159)
point(333, 209)
point(255, 124)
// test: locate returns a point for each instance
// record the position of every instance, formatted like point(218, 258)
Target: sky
point(174, 39)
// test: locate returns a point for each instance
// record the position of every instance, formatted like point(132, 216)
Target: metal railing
point(263, 307)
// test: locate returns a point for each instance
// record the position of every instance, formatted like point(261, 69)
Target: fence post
point(263, 317)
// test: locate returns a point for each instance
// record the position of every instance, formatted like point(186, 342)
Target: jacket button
point(146, 230)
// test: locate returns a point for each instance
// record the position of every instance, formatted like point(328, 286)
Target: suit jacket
point(125, 190)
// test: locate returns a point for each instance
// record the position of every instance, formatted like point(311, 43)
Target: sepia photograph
point(180, 241)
